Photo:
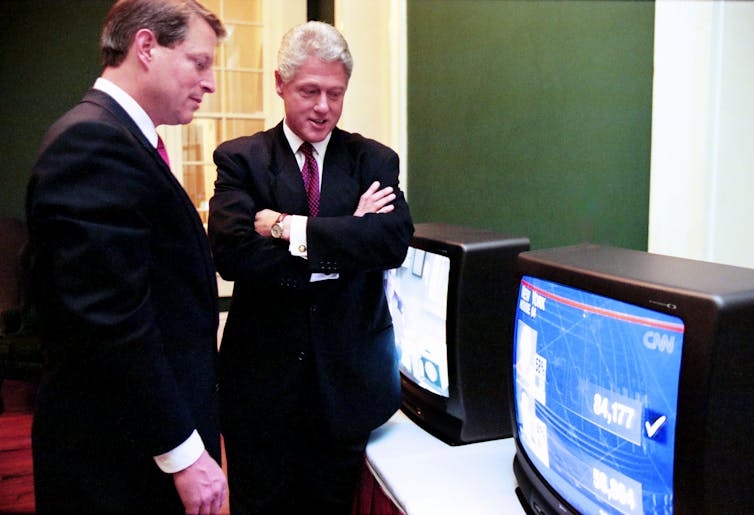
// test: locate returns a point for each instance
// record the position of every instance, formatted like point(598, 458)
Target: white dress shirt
point(297, 241)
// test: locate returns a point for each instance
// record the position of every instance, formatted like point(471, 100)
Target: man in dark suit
point(308, 360)
point(127, 418)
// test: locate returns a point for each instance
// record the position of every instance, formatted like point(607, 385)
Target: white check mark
point(655, 426)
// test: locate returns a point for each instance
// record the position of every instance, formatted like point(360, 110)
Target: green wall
point(532, 117)
point(49, 56)
point(526, 117)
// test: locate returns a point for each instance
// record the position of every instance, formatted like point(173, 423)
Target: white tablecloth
point(424, 475)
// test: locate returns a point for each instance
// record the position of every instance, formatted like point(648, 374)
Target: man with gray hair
point(305, 219)
point(127, 415)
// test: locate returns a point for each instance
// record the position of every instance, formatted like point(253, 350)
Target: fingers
point(219, 499)
point(218, 503)
point(372, 188)
point(384, 192)
point(201, 486)
point(375, 200)
point(264, 213)
point(380, 202)
point(378, 198)
point(371, 194)
point(211, 506)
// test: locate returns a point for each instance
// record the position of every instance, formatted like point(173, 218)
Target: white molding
point(702, 159)
point(279, 16)
point(375, 104)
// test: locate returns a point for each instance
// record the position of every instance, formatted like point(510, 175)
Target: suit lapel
point(340, 190)
point(108, 103)
point(287, 184)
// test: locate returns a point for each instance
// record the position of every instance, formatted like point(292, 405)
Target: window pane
point(198, 181)
point(247, 10)
point(239, 76)
point(192, 150)
point(199, 140)
point(243, 47)
point(236, 127)
point(243, 92)
point(193, 183)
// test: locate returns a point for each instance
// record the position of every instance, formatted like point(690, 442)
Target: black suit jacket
point(123, 280)
point(278, 319)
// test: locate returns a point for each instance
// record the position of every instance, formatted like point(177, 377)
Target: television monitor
point(452, 304)
point(633, 383)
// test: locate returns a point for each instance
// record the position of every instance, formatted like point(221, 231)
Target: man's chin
point(315, 136)
point(183, 119)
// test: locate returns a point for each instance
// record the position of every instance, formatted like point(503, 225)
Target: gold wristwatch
point(277, 228)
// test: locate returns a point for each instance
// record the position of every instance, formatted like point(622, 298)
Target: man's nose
point(322, 104)
point(208, 83)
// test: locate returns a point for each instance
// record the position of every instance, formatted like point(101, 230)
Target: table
point(423, 475)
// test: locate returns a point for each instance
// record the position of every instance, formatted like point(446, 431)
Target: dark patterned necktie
point(310, 173)
point(161, 150)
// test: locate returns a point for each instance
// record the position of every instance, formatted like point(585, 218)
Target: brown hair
point(167, 19)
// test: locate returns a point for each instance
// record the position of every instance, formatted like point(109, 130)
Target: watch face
point(276, 230)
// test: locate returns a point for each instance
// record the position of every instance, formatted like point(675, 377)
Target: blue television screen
point(417, 294)
point(596, 395)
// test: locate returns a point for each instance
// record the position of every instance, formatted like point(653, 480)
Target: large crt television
point(633, 383)
point(452, 305)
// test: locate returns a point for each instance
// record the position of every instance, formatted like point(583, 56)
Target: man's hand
point(201, 486)
point(264, 220)
point(375, 201)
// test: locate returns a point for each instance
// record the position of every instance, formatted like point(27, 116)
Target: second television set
point(452, 303)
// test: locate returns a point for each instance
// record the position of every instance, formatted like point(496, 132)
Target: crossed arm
point(373, 200)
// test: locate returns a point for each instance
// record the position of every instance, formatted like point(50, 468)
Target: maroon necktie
point(310, 174)
point(161, 150)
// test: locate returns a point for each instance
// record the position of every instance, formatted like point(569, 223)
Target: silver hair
point(313, 38)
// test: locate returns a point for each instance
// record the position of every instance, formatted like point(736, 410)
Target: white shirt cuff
point(182, 456)
point(297, 239)
point(298, 248)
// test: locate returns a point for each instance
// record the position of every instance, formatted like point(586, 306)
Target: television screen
point(596, 394)
point(633, 383)
point(452, 303)
point(417, 296)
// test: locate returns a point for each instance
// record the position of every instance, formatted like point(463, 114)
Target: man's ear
point(278, 83)
point(144, 44)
